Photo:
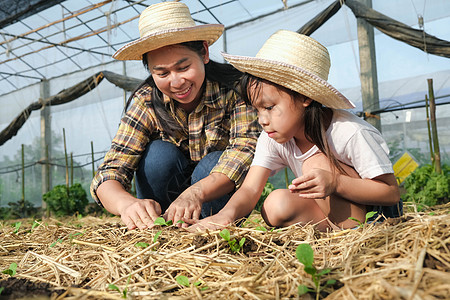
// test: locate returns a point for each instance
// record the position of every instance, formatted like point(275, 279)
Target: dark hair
point(224, 74)
point(314, 116)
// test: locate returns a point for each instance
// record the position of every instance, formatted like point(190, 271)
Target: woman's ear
point(206, 55)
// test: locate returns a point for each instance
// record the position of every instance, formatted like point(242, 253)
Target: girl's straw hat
point(164, 24)
point(294, 61)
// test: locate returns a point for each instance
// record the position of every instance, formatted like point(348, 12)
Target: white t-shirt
point(351, 139)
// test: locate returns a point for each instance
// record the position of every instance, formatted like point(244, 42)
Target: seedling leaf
point(142, 244)
point(182, 280)
point(225, 234)
point(303, 289)
point(113, 287)
point(356, 220)
point(261, 228)
point(155, 238)
point(330, 282)
point(160, 221)
point(11, 271)
point(324, 271)
point(370, 214)
point(305, 254)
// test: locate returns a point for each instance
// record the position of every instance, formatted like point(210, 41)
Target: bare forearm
point(212, 187)
point(382, 190)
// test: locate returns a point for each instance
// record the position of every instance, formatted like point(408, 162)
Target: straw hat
point(294, 61)
point(164, 24)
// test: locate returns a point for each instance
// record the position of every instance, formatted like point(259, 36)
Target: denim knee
point(161, 164)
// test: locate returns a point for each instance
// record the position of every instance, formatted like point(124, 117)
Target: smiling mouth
point(184, 92)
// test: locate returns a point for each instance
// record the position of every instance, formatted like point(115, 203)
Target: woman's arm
point(241, 204)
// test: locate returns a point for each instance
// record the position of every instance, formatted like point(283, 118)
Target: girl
point(340, 162)
point(188, 136)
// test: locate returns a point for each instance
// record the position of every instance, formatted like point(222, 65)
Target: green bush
point(65, 204)
point(268, 188)
point(425, 186)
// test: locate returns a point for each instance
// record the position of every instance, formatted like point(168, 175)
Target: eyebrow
point(156, 68)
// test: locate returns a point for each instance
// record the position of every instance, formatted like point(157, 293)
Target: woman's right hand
point(135, 213)
point(140, 213)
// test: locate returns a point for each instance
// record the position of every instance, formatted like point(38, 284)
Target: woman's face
point(179, 72)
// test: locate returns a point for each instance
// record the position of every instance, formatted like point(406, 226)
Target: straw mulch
point(405, 258)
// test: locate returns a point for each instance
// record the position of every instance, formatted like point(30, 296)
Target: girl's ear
point(307, 101)
point(206, 56)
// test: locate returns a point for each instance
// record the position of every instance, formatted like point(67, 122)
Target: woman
point(188, 136)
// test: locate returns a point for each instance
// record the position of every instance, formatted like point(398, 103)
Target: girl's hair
point(224, 74)
point(314, 115)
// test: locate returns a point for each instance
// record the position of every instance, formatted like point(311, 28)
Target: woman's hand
point(140, 213)
point(186, 206)
point(316, 184)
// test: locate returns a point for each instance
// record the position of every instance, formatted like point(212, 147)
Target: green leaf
point(160, 221)
point(142, 244)
point(155, 238)
point(330, 282)
point(310, 270)
point(356, 220)
point(182, 280)
point(324, 271)
point(113, 287)
point(305, 254)
point(303, 289)
point(1, 289)
point(169, 223)
point(225, 234)
point(370, 214)
point(35, 224)
point(261, 228)
point(17, 226)
point(11, 271)
point(241, 242)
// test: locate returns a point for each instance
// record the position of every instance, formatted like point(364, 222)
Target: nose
point(263, 119)
point(177, 80)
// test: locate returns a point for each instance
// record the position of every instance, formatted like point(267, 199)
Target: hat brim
point(135, 49)
point(291, 77)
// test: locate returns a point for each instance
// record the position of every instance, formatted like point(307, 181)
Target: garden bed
point(98, 258)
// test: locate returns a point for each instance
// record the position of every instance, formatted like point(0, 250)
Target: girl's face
point(279, 115)
point(179, 72)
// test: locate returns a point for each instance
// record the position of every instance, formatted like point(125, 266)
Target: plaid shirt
point(221, 122)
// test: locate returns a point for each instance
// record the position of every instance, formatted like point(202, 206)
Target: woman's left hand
point(316, 184)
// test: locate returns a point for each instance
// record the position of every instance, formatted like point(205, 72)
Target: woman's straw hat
point(164, 24)
point(294, 61)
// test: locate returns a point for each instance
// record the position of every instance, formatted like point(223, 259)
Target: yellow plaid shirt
point(221, 122)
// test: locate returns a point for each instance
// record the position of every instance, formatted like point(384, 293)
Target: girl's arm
point(320, 183)
point(241, 204)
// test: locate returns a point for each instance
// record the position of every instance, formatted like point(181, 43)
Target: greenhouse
point(63, 95)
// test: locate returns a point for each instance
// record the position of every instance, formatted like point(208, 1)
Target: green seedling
point(116, 288)
point(1, 290)
point(17, 227)
point(35, 224)
point(235, 246)
point(155, 238)
point(142, 244)
point(305, 255)
point(160, 221)
point(184, 281)
point(54, 243)
point(11, 271)
point(369, 215)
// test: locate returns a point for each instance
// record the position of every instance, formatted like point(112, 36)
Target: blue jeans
point(164, 173)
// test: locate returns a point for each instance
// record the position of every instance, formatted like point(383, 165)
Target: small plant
point(184, 281)
point(268, 188)
point(235, 246)
point(305, 255)
point(162, 222)
point(17, 227)
point(65, 202)
point(142, 245)
point(1, 289)
point(11, 271)
point(369, 215)
point(425, 186)
point(116, 288)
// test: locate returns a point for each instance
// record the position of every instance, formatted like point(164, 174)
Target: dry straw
point(405, 258)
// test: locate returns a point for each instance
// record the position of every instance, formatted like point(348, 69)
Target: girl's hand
point(140, 214)
point(317, 183)
point(186, 206)
point(214, 222)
